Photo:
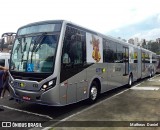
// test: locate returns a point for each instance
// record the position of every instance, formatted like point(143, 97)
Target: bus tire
point(93, 92)
point(150, 74)
point(130, 81)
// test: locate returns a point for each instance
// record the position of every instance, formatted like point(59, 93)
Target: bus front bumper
point(38, 97)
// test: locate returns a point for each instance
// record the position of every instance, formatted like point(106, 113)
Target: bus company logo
point(95, 54)
point(22, 85)
point(17, 84)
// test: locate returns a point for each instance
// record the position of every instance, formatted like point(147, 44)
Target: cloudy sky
point(119, 18)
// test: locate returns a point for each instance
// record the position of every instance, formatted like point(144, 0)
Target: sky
point(118, 18)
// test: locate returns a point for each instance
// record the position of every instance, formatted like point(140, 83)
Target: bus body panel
point(50, 97)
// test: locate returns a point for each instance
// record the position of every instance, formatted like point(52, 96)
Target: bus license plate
point(26, 98)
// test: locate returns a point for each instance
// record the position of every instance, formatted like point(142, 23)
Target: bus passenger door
point(143, 65)
point(74, 64)
point(126, 60)
point(139, 64)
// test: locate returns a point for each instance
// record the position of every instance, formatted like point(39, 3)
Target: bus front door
point(126, 60)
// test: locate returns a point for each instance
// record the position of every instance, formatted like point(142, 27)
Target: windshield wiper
point(24, 49)
point(19, 45)
point(37, 43)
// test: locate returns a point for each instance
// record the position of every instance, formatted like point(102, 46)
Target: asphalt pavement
point(122, 109)
point(134, 108)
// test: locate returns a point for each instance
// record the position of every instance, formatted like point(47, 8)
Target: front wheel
point(93, 93)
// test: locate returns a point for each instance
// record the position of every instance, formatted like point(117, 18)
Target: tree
point(154, 46)
point(144, 45)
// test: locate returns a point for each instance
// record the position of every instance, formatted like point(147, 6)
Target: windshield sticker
point(30, 67)
point(20, 67)
point(15, 56)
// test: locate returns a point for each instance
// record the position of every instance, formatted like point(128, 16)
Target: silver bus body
point(92, 59)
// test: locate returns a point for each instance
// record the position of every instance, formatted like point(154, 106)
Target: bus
point(6, 41)
point(58, 63)
point(4, 59)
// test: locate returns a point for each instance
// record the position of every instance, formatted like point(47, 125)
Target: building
point(131, 41)
point(6, 41)
point(158, 40)
point(136, 41)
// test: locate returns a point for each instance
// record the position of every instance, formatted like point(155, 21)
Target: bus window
point(119, 54)
point(73, 47)
point(109, 51)
point(73, 53)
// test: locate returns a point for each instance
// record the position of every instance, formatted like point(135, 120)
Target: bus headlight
point(49, 84)
point(44, 86)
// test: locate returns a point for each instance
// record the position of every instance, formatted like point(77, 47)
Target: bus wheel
point(93, 93)
point(130, 81)
point(150, 74)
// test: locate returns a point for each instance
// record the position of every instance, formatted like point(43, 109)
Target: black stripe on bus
point(69, 71)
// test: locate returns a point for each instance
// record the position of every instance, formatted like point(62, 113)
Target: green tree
point(144, 45)
point(154, 46)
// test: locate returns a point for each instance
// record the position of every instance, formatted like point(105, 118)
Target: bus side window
point(73, 52)
point(66, 59)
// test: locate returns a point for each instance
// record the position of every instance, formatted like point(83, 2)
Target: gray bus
point(59, 63)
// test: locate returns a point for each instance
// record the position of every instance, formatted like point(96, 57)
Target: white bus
point(4, 59)
point(59, 63)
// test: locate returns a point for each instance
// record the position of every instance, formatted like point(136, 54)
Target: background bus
point(4, 59)
point(59, 63)
point(158, 64)
point(6, 41)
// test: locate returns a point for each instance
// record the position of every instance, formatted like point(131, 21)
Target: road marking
point(47, 128)
point(154, 77)
point(153, 80)
point(93, 105)
point(146, 88)
point(88, 108)
point(46, 116)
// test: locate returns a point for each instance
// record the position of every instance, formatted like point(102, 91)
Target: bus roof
point(42, 22)
point(76, 25)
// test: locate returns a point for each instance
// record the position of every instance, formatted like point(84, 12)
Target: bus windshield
point(34, 53)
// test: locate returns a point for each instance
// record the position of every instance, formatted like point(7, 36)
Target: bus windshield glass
point(34, 53)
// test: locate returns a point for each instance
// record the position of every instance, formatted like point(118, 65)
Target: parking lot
point(122, 108)
point(134, 108)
